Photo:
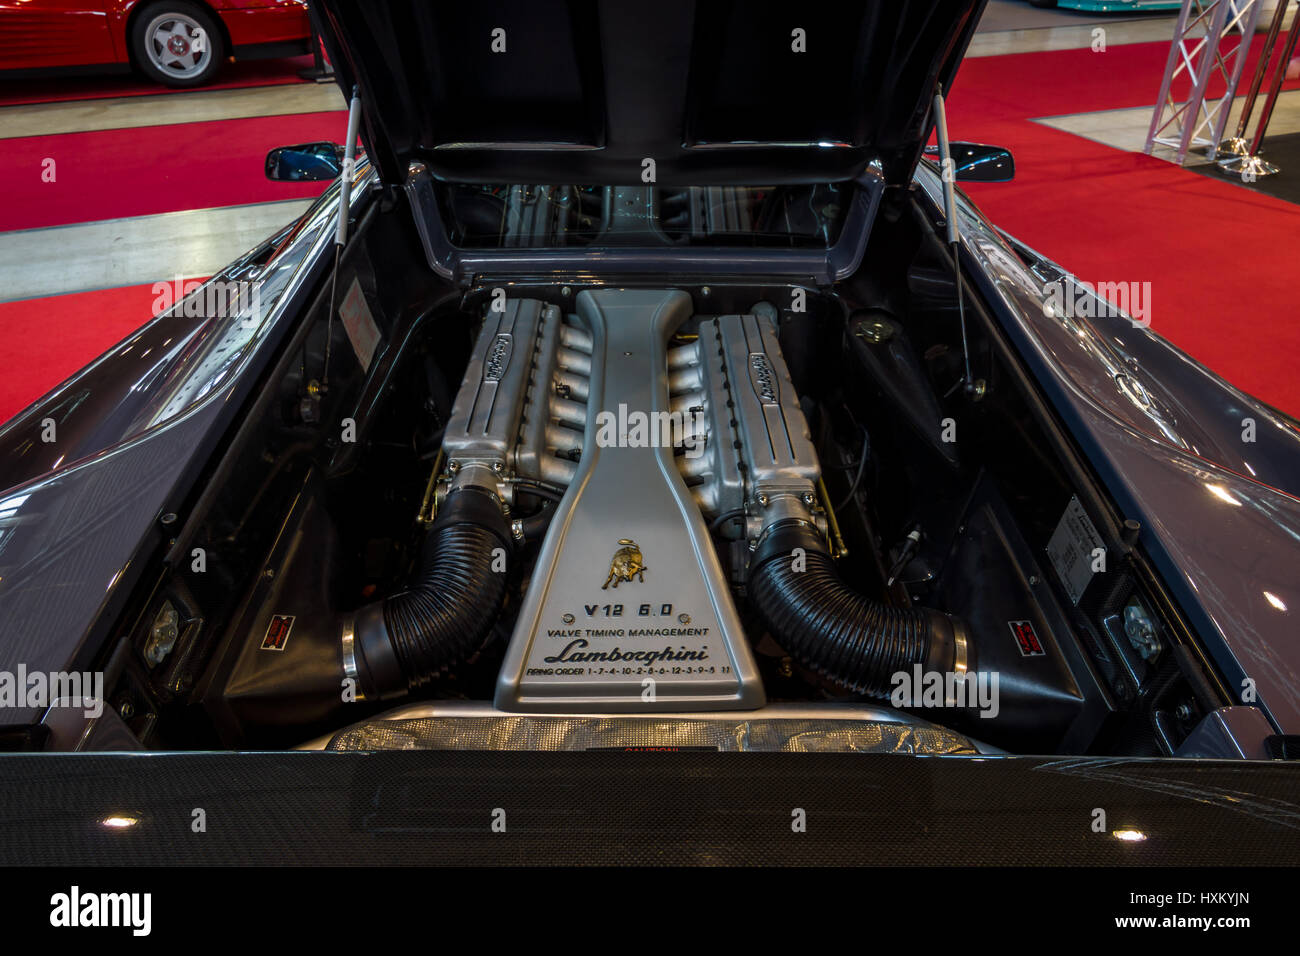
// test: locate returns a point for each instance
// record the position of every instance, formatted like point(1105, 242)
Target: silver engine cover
point(628, 609)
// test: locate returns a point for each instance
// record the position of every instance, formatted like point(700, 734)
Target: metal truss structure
point(1211, 39)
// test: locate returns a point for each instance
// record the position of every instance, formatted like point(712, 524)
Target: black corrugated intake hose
point(831, 629)
point(447, 613)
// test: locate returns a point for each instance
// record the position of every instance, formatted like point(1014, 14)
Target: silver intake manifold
point(521, 410)
point(758, 456)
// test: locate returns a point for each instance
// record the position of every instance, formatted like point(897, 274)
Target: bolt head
point(1141, 631)
point(875, 332)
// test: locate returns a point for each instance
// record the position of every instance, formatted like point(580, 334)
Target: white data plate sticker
point(360, 324)
point(1075, 550)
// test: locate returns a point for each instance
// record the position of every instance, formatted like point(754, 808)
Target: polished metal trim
point(961, 651)
point(760, 144)
point(519, 146)
point(349, 644)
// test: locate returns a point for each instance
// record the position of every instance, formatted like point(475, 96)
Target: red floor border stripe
point(111, 174)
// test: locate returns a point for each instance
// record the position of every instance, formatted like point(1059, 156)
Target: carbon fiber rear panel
point(438, 808)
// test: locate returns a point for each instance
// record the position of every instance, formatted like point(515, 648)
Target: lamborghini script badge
point(626, 564)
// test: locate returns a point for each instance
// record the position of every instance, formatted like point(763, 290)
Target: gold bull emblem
point(627, 564)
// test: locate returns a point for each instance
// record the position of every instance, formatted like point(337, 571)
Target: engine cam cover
point(628, 609)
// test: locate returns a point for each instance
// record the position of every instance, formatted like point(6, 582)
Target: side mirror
point(306, 162)
point(978, 163)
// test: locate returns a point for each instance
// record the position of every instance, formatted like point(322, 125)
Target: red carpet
point(1080, 81)
point(233, 76)
point(73, 330)
point(1219, 257)
point(109, 174)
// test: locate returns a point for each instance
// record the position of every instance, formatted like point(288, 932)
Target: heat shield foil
point(635, 733)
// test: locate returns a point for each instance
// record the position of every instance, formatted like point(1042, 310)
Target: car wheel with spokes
point(177, 43)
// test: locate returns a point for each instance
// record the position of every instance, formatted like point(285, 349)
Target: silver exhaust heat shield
point(787, 728)
point(731, 734)
point(628, 609)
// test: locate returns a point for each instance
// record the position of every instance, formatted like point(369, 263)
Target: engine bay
point(589, 514)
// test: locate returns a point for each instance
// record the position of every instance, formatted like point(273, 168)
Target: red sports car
point(177, 42)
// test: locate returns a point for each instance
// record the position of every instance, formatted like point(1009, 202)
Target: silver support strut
point(1237, 145)
point(1249, 165)
point(341, 229)
point(948, 174)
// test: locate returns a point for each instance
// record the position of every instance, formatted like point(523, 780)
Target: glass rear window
point(544, 217)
